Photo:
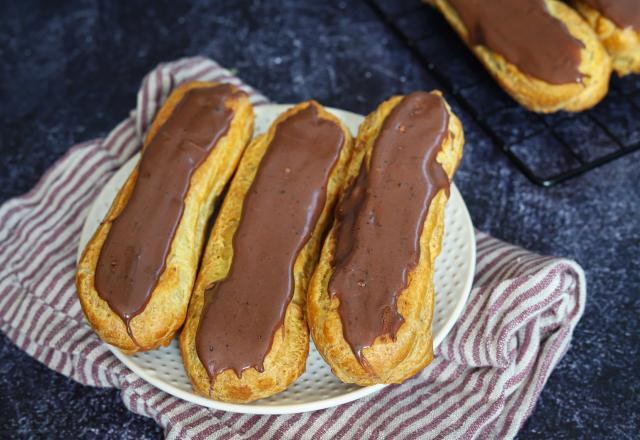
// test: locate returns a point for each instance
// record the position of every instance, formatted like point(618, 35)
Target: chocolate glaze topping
point(134, 252)
point(624, 13)
point(243, 311)
point(526, 34)
point(380, 219)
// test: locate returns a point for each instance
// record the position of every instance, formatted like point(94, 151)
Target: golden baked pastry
point(370, 300)
point(593, 65)
point(622, 43)
point(246, 336)
point(136, 274)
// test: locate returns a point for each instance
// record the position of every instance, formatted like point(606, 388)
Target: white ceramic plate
point(317, 388)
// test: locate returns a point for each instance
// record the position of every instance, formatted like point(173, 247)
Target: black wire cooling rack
point(546, 148)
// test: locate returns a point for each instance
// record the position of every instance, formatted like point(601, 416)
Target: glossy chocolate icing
point(624, 13)
point(380, 220)
point(526, 34)
point(134, 253)
point(243, 311)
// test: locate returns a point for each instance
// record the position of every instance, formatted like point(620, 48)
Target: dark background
point(70, 71)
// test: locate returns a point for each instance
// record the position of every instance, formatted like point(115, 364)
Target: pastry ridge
point(286, 359)
point(533, 93)
point(387, 360)
point(623, 45)
point(166, 309)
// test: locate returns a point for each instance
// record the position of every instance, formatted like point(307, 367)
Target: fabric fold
point(483, 383)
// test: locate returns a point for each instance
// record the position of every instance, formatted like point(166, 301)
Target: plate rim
point(252, 408)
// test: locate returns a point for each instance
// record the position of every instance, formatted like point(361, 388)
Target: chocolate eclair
point(246, 336)
point(136, 274)
point(370, 300)
point(540, 51)
point(617, 24)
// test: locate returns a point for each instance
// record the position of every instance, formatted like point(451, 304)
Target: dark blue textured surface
point(70, 71)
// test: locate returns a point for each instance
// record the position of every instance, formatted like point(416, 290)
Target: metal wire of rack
point(547, 149)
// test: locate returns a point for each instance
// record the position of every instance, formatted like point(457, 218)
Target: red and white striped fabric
point(483, 383)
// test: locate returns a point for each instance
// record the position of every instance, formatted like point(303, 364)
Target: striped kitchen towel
point(483, 382)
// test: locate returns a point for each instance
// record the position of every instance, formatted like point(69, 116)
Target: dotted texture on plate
point(317, 388)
